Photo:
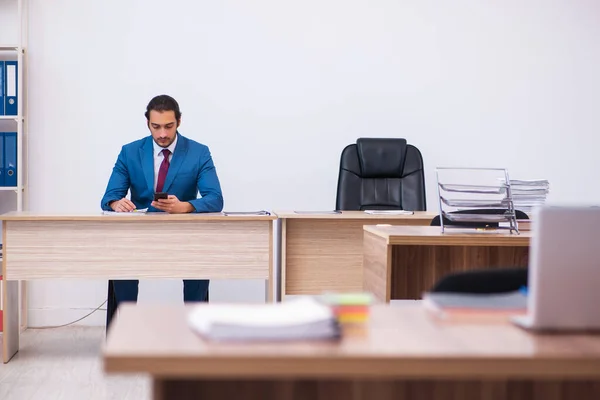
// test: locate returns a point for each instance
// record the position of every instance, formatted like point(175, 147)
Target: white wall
point(9, 33)
point(277, 89)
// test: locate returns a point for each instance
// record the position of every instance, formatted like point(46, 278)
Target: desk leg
point(377, 267)
point(269, 293)
point(358, 389)
point(24, 305)
point(278, 259)
point(159, 389)
point(10, 315)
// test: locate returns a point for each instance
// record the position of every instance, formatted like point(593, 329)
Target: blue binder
point(11, 90)
point(2, 98)
point(10, 159)
point(2, 159)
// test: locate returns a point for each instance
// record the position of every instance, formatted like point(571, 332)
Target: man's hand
point(172, 205)
point(123, 205)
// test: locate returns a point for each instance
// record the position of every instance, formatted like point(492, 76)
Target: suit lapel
point(178, 157)
point(148, 163)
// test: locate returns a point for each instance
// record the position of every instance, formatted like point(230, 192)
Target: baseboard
point(59, 316)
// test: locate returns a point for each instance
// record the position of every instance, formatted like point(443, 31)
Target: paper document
point(530, 182)
point(389, 212)
point(318, 212)
point(134, 212)
point(261, 212)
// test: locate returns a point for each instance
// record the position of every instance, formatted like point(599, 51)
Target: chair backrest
point(488, 280)
point(436, 220)
point(381, 174)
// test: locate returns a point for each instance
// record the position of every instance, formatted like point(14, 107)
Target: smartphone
point(160, 195)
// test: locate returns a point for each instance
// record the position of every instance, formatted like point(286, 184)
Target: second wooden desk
point(402, 262)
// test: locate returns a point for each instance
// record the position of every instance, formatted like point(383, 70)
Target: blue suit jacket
point(191, 171)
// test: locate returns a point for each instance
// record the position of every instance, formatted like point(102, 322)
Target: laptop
point(564, 270)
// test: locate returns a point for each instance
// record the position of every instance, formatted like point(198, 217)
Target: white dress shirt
point(158, 157)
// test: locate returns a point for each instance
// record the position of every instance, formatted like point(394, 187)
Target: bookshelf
point(13, 46)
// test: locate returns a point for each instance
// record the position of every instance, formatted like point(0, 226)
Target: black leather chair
point(381, 174)
point(484, 281)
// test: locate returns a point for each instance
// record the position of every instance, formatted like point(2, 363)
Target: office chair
point(483, 281)
point(381, 174)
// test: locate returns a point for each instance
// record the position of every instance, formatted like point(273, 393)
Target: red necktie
point(162, 172)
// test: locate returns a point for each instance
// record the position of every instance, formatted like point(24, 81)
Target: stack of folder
point(9, 91)
point(8, 159)
point(349, 307)
point(8, 107)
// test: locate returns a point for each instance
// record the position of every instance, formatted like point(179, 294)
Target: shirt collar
point(158, 149)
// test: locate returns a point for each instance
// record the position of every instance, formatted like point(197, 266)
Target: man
point(167, 162)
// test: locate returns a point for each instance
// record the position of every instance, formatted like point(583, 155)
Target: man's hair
point(161, 104)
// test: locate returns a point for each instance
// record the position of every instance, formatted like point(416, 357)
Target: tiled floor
point(65, 363)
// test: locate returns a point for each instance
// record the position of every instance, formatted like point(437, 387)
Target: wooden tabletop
point(152, 216)
point(327, 214)
point(432, 235)
point(398, 341)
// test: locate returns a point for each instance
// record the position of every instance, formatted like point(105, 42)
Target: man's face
point(163, 127)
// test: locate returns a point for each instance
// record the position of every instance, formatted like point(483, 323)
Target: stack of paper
point(298, 319)
point(134, 212)
point(350, 307)
point(529, 194)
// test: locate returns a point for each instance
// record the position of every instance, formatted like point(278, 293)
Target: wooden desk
point(401, 262)
point(401, 354)
point(154, 245)
point(323, 252)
